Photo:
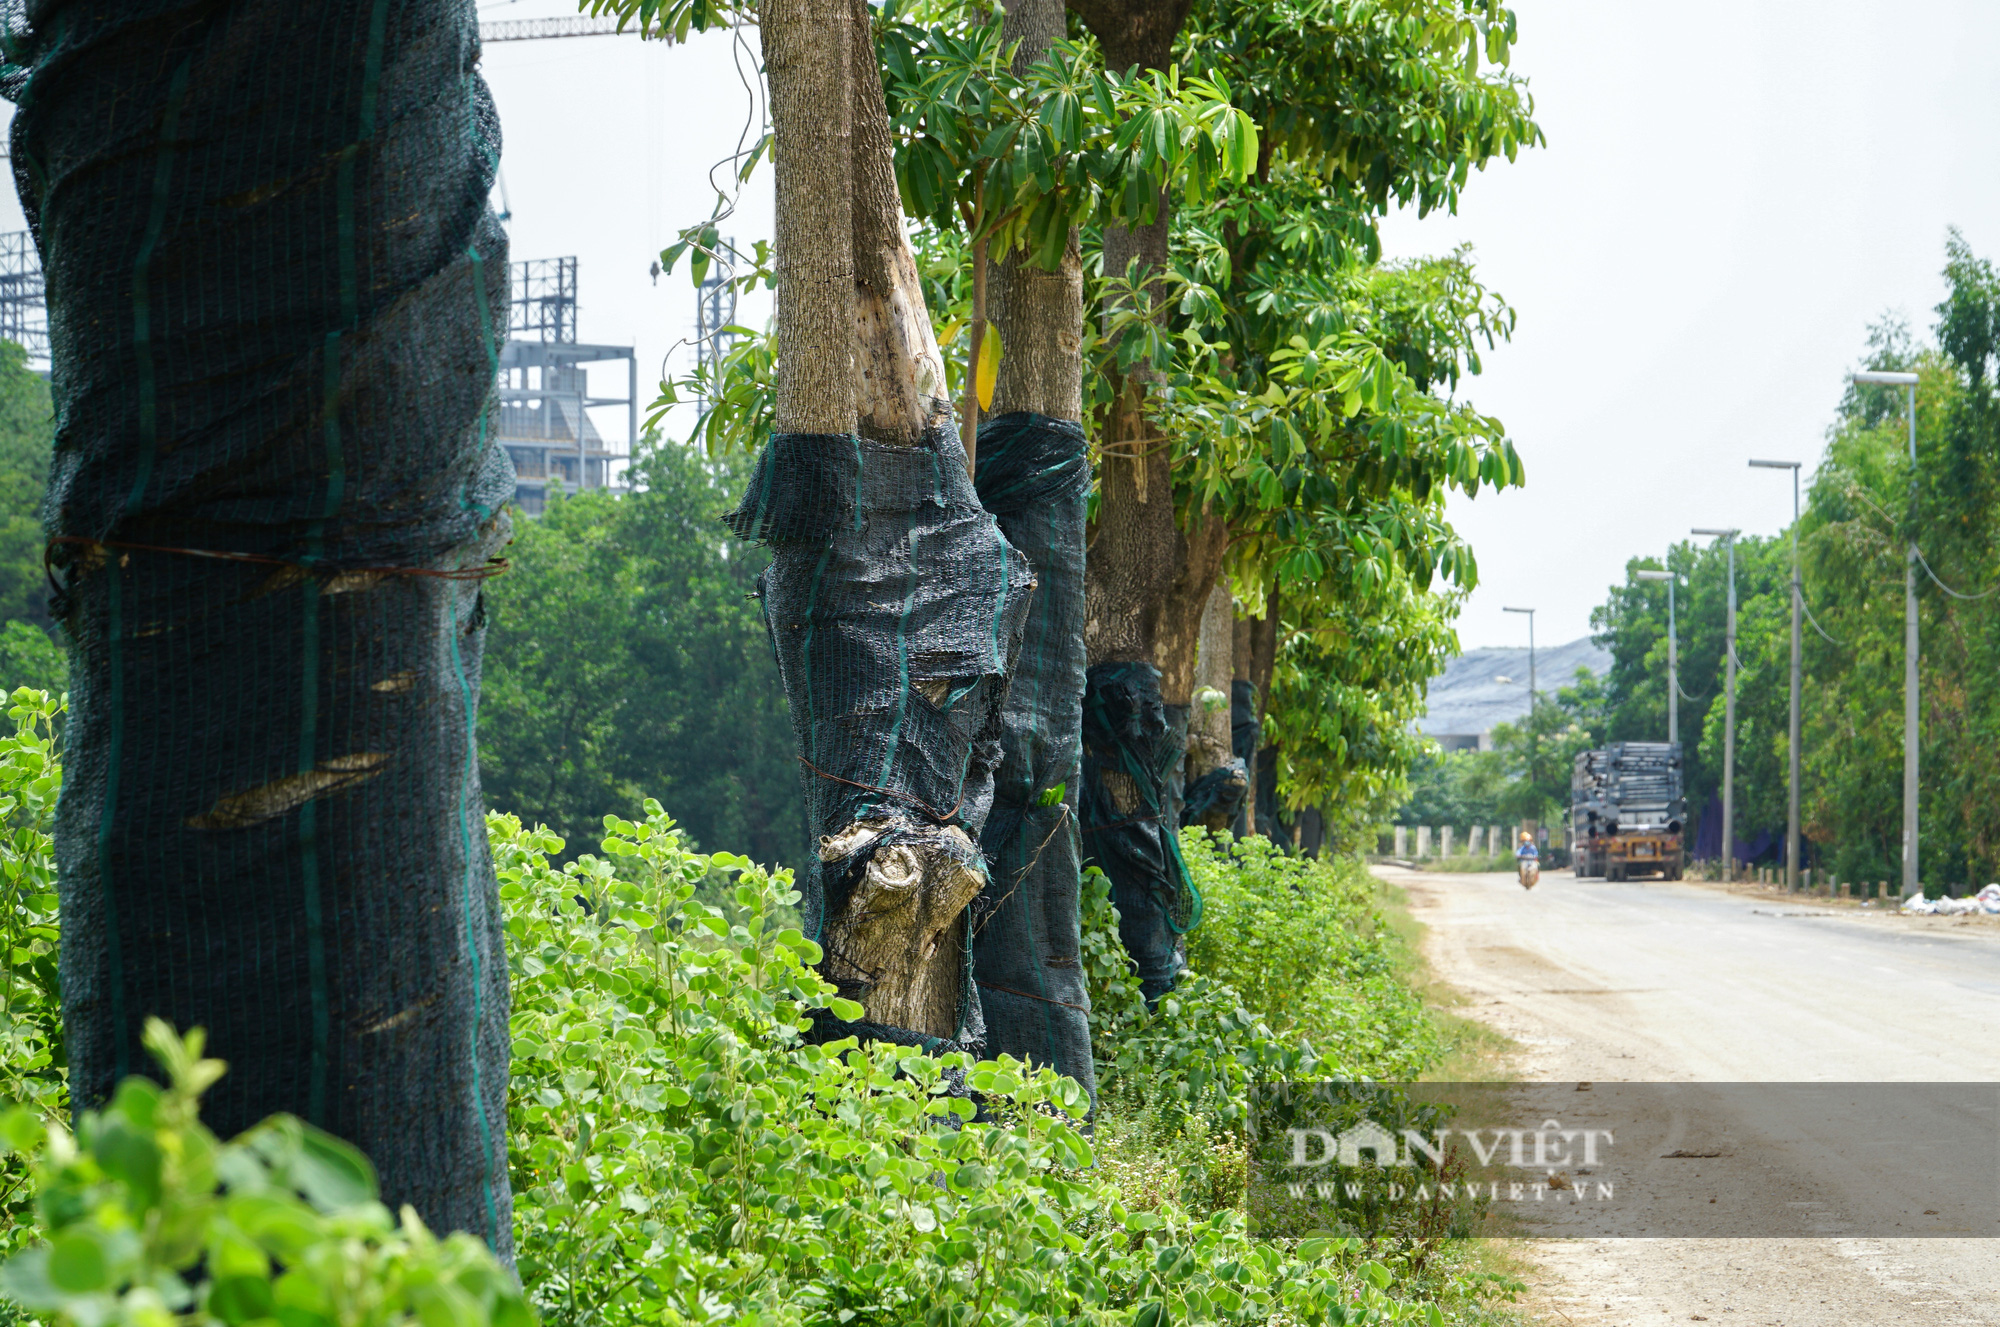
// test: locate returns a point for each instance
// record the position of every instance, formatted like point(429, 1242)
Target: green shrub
point(150, 1221)
point(1300, 943)
point(31, 1045)
point(679, 1154)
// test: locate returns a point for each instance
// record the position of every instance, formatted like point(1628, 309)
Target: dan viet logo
point(1547, 1149)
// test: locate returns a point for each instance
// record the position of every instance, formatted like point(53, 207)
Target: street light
point(1673, 663)
point(1531, 655)
point(1728, 537)
point(1798, 599)
point(1910, 885)
point(1534, 743)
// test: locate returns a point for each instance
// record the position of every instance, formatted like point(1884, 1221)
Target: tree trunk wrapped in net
point(1034, 476)
point(1133, 744)
point(274, 286)
point(1246, 730)
point(896, 608)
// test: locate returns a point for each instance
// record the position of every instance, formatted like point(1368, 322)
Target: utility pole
point(1728, 538)
point(1910, 881)
point(1531, 656)
point(1534, 740)
point(1673, 664)
point(1798, 673)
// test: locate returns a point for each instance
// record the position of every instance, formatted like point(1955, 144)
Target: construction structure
point(545, 399)
point(24, 310)
point(714, 312)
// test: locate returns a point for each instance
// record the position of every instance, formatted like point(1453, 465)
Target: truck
point(1628, 811)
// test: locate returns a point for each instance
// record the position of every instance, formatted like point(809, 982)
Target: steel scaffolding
point(545, 399)
point(24, 310)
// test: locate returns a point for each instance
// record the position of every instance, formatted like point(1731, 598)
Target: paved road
point(1645, 982)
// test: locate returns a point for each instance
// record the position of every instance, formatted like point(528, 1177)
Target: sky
point(1732, 191)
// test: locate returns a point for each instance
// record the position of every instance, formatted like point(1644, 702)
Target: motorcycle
point(1531, 872)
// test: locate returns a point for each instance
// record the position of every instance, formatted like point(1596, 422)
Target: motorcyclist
point(1527, 860)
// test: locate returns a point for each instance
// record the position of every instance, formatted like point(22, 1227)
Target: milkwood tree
point(273, 280)
point(1283, 406)
point(1241, 380)
point(1007, 146)
point(902, 710)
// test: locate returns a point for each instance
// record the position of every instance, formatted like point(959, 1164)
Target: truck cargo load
point(1628, 811)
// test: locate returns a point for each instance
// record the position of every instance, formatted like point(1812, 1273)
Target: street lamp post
point(1673, 663)
point(1728, 538)
point(1531, 657)
point(1534, 742)
point(1910, 885)
point(1798, 671)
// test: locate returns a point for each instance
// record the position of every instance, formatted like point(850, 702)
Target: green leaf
point(847, 1011)
point(77, 1265)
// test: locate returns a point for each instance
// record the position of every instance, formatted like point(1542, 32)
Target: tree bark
point(1264, 651)
point(1149, 580)
point(1134, 33)
point(899, 380)
point(1208, 730)
point(1039, 313)
point(895, 714)
point(807, 60)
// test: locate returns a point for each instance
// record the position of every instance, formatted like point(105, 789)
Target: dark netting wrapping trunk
point(1267, 795)
point(895, 607)
point(1034, 476)
point(1246, 730)
point(1216, 798)
point(1133, 749)
point(273, 284)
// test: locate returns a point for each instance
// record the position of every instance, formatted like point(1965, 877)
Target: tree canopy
point(629, 659)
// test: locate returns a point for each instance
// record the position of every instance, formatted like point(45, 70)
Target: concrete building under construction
point(545, 399)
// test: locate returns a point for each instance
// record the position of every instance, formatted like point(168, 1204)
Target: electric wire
point(1815, 621)
point(1941, 585)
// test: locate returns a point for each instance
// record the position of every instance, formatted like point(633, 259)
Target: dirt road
point(1650, 982)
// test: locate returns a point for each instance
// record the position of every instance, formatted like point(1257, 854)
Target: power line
point(1815, 621)
point(1941, 585)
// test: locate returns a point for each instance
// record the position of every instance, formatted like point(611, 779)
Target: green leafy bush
point(31, 1044)
point(1301, 944)
point(679, 1153)
point(150, 1221)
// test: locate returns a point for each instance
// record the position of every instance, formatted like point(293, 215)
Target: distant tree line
point(1857, 522)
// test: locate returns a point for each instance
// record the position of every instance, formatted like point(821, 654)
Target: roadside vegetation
point(680, 1155)
point(1861, 513)
point(1177, 222)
